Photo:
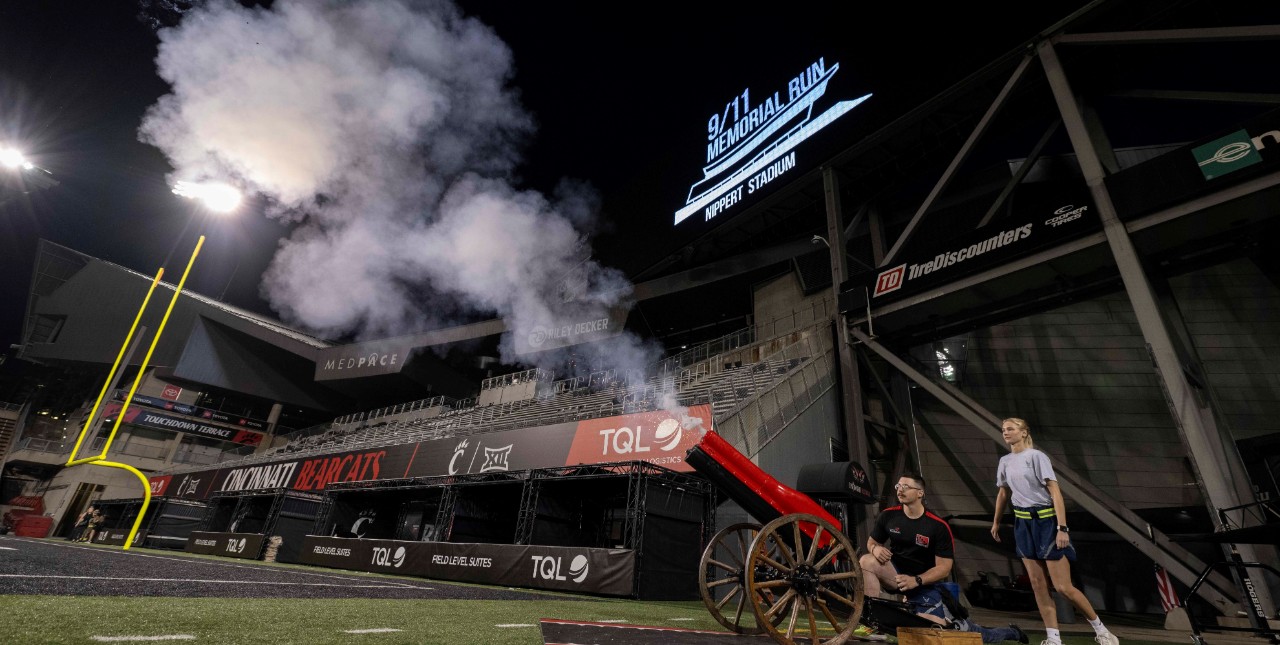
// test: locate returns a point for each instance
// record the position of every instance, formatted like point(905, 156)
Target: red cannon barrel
point(756, 491)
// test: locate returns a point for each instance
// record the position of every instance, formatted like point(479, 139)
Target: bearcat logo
point(366, 517)
point(458, 451)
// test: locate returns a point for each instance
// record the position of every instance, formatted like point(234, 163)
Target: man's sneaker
point(863, 631)
point(1050, 642)
point(1019, 635)
point(1107, 638)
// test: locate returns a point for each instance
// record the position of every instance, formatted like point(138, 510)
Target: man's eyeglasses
point(905, 487)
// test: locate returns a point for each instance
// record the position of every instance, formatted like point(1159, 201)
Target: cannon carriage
point(794, 577)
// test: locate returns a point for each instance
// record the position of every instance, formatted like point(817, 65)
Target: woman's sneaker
point(1107, 638)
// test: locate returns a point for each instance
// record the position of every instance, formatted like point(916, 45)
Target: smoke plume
point(387, 130)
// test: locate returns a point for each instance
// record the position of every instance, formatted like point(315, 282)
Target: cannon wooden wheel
point(722, 578)
point(804, 582)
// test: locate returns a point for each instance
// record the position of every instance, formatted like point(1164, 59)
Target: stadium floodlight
point(217, 197)
point(11, 158)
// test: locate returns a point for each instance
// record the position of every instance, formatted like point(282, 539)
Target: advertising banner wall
point(147, 418)
point(659, 437)
point(1246, 151)
point(192, 410)
point(988, 247)
point(596, 571)
point(232, 545)
point(116, 537)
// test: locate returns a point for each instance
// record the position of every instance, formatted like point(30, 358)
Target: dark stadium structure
point(658, 517)
point(251, 519)
point(167, 525)
point(1082, 234)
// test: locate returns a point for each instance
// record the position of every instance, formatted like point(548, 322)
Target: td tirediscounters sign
point(987, 248)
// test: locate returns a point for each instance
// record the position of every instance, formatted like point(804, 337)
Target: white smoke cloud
point(388, 130)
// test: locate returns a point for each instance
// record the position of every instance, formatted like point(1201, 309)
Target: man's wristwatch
point(919, 582)
point(1063, 528)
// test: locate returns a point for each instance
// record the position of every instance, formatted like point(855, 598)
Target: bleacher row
point(723, 384)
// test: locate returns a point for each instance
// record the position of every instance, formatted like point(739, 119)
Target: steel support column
point(1195, 422)
point(850, 384)
point(1179, 562)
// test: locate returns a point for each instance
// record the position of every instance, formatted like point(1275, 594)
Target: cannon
point(794, 577)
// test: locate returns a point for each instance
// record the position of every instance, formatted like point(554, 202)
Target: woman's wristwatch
point(1063, 528)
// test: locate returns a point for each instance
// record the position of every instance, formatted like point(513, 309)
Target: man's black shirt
point(914, 542)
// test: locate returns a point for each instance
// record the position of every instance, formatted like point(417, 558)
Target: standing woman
point(1026, 478)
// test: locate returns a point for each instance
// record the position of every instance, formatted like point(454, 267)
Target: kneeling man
point(911, 549)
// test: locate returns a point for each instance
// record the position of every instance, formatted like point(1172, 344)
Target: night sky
point(620, 95)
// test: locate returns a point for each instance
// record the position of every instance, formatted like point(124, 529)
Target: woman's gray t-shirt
point(1025, 473)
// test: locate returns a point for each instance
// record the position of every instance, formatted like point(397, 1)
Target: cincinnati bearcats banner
point(232, 545)
point(660, 438)
point(596, 571)
point(1060, 219)
point(116, 537)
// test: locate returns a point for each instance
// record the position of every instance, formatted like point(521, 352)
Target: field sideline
point(58, 593)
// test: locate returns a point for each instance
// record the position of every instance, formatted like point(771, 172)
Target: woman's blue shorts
point(1036, 536)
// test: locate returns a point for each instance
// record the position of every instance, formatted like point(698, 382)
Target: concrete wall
point(778, 300)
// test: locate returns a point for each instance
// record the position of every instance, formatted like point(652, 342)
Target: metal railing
point(700, 357)
point(764, 412)
point(56, 446)
point(516, 378)
point(369, 415)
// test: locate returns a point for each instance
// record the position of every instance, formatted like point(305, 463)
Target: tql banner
point(596, 571)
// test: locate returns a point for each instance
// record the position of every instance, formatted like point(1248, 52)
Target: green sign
point(1226, 155)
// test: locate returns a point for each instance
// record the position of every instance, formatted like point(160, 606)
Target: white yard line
point(8, 548)
point(514, 625)
point(167, 637)
point(376, 630)
point(219, 564)
point(612, 620)
point(226, 582)
point(679, 619)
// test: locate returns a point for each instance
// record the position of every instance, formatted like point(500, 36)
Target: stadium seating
point(726, 380)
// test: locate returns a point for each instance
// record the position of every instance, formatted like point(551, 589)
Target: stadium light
point(11, 158)
point(217, 197)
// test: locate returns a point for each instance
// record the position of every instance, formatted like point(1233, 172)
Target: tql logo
point(625, 441)
point(548, 567)
point(382, 557)
point(235, 546)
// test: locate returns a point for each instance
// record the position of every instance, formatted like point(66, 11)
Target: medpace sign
point(750, 144)
point(659, 437)
point(986, 248)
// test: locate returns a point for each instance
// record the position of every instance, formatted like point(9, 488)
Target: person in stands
point(95, 520)
point(909, 551)
point(1025, 477)
point(82, 521)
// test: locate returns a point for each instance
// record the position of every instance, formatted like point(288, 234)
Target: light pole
point(217, 198)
